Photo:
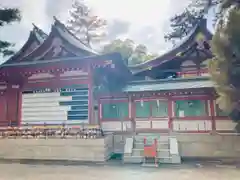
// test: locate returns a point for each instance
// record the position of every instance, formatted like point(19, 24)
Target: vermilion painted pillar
point(170, 114)
point(212, 113)
point(19, 107)
point(12, 95)
point(3, 109)
point(90, 96)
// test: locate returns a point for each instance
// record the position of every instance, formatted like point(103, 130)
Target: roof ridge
point(59, 26)
point(39, 31)
point(64, 27)
point(34, 33)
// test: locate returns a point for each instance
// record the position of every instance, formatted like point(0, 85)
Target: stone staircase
point(167, 149)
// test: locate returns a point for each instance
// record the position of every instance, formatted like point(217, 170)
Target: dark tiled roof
point(36, 38)
point(183, 46)
point(169, 84)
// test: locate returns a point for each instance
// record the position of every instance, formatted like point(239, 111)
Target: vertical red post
point(20, 107)
point(212, 111)
point(99, 112)
point(3, 109)
point(90, 97)
point(155, 142)
point(170, 114)
point(130, 106)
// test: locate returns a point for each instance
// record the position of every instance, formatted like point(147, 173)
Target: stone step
point(161, 152)
point(164, 160)
point(162, 145)
point(149, 139)
point(133, 159)
point(170, 160)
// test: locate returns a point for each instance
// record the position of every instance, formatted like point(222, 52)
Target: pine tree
point(7, 15)
point(225, 66)
point(84, 24)
point(181, 24)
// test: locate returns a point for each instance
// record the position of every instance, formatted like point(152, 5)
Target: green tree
point(225, 66)
point(7, 16)
point(131, 53)
point(181, 24)
point(125, 48)
point(85, 24)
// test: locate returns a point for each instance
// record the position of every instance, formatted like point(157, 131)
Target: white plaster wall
point(160, 124)
point(192, 125)
point(127, 125)
point(112, 126)
point(143, 124)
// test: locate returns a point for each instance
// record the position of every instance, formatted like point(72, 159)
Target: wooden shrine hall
point(57, 79)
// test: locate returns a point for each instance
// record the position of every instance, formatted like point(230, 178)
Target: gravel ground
point(59, 172)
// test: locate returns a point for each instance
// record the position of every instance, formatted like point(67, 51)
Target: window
point(153, 108)
point(116, 110)
point(159, 108)
point(143, 109)
point(185, 108)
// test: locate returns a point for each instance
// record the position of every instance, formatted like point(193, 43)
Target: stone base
point(208, 146)
point(89, 150)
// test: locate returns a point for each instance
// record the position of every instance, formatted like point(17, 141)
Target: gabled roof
point(184, 46)
point(35, 39)
point(60, 43)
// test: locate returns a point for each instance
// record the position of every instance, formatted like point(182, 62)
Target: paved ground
point(57, 172)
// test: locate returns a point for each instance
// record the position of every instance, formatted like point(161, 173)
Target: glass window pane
point(123, 110)
point(109, 111)
point(115, 110)
point(184, 108)
point(159, 108)
point(143, 109)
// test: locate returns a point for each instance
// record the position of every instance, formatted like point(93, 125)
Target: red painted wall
point(12, 106)
point(3, 110)
point(9, 106)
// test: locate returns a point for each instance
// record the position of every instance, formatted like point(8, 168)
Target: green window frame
point(116, 110)
point(190, 108)
point(153, 108)
point(159, 108)
point(143, 109)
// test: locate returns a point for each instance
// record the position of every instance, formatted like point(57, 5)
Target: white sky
point(138, 12)
point(146, 20)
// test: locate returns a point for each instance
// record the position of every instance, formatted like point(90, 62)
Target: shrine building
point(57, 79)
